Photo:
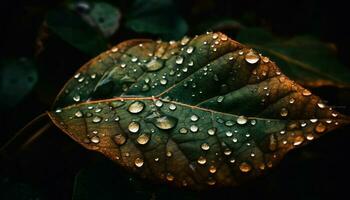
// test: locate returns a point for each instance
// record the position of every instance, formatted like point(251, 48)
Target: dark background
point(48, 169)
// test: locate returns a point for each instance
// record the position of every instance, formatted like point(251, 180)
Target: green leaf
point(18, 77)
point(201, 112)
point(303, 58)
point(72, 29)
point(156, 17)
point(100, 15)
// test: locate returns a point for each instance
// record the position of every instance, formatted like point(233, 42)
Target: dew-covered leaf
point(201, 112)
point(156, 17)
point(18, 77)
point(72, 29)
point(302, 58)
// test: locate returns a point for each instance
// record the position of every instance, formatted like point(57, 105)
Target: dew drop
point(134, 127)
point(229, 133)
point(114, 49)
point(95, 139)
point(265, 59)
point(163, 81)
point(227, 152)
point(96, 119)
point(298, 140)
point(220, 99)
point(211, 181)
point(134, 59)
point(139, 162)
point(320, 128)
point(291, 100)
point(194, 128)
point(306, 92)
point(251, 57)
point(194, 118)
point(205, 146)
point(242, 120)
point(212, 169)
point(143, 139)
point(215, 36)
point(245, 167)
point(223, 37)
point(158, 103)
point(76, 98)
point(284, 112)
point(273, 143)
point(309, 137)
point(179, 60)
point(189, 49)
point(172, 107)
point(119, 139)
point(321, 105)
point(154, 64)
point(190, 63)
point(211, 131)
point(201, 160)
point(169, 177)
point(78, 114)
point(183, 130)
point(136, 107)
point(184, 40)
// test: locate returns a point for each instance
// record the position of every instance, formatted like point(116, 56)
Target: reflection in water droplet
point(95, 139)
point(320, 127)
point(119, 139)
point(143, 139)
point(201, 160)
point(138, 162)
point(242, 120)
point(205, 146)
point(134, 127)
point(136, 107)
point(251, 57)
point(179, 60)
point(96, 119)
point(245, 167)
point(78, 114)
point(284, 112)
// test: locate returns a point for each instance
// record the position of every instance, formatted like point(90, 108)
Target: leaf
point(18, 77)
point(72, 29)
point(156, 17)
point(199, 112)
point(100, 15)
point(303, 58)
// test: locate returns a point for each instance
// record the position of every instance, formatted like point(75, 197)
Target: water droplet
point(211, 181)
point(220, 99)
point(136, 107)
point(123, 65)
point(321, 105)
point(242, 120)
point(194, 128)
point(172, 107)
point(143, 139)
point(211, 131)
point(138, 162)
point(273, 143)
point(265, 59)
point(201, 160)
point(189, 49)
point(96, 119)
point(298, 140)
point(134, 127)
point(76, 98)
point(223, 37)
point(245, 167)
point(190, 63)
point(320, 128)
point(313, 120)
point(134, 59)
point(164, 122)
point(77, 75)
point(184, 40)
point(306, 92)
point(179, 60)
point(58, 110)
point(194, 118)
point(114, 49)
point(169, 154)
point(212, 169)
point(227, 152)
point(154, 64)
point(183, 130)
point(205, 146)
point(234, 140)
point(78, 114)
point(119, 139)
point(158, 103)
point(229, 123)
point(163, 81)
point(309, 136)
point(291, 100)
point(284, 112)
point(169, 177)
point(251, 57)
point(95, 139)
point(215, 36)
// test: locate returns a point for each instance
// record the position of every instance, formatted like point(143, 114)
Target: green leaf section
point(18, 77)
point(156, 17)
point(72, 29)
point(303, 58)
point(201, 112)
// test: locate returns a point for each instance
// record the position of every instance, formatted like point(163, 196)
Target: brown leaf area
point(238, 129)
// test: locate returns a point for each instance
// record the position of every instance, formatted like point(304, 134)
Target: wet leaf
point(201, 112)
point(303, 58)
point(18, 77)
point(72, 29)
point(100, 15)
point(156, 17)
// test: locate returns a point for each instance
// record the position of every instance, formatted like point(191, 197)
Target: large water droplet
point(138, 162)
point(134, 127)
point(245, 167)
point(242, 120)
point(119, 139)
point(251, 57)
point(202, 160)
point(143, 139)
point(162, 121)
point(154, 64)
point(136, 107)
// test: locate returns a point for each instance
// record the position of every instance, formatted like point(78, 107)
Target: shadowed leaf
point(202, 112)
point(303, 58)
